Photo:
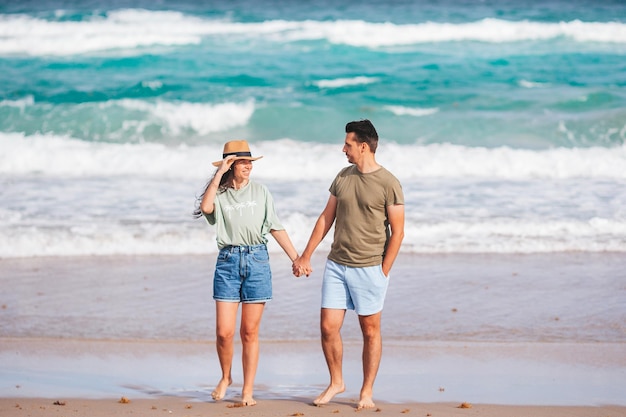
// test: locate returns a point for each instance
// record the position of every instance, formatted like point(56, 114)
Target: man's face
point(352, 148)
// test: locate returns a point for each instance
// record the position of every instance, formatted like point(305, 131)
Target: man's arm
point(302, 265)
point(395, 215)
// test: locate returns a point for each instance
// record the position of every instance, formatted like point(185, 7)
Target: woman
point(243, 212)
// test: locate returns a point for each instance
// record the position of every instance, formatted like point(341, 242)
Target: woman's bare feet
point(246, 399)
point(329, 393)
point(365, 403)
point(220, 391)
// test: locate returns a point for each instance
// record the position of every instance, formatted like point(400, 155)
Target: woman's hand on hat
point(227, 163)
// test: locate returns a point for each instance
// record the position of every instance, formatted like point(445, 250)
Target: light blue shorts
point(360, 289)
point(242, 274)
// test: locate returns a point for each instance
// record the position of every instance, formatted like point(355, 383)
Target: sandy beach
point(165, 406)
point(67, 327)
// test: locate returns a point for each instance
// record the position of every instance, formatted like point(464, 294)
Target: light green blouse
point(244, 216)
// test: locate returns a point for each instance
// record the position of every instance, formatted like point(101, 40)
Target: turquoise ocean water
point(505, 123)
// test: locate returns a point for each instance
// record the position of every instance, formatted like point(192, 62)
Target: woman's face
point(242, 169)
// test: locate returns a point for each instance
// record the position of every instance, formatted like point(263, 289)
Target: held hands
point(301, 267)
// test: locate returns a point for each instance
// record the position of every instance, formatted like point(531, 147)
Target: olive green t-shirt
point(361, 223)
point(244, 216)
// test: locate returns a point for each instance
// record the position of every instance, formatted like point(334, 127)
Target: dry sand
point(174, 406)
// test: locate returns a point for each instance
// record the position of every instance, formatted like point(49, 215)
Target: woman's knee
point(249, 335)
point(225, 335)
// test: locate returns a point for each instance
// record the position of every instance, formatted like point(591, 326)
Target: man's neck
point(367, 165)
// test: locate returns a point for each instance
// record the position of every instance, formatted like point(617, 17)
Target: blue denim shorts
point(242, 274)
point(360, 289)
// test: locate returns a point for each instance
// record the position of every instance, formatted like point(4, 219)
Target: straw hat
point(239, 148)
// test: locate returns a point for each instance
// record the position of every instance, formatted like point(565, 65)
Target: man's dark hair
point(365, 133)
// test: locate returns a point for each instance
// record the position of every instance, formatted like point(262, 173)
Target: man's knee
point(331, 321)
point(370, 325)
point(329, 330)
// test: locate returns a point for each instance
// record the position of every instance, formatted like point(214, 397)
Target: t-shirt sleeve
point(394, 193)
point(210, 217)
point(334, 184)
point(332, 188)
point(271, 218)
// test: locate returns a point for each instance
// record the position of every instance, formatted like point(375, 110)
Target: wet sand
point(417, 376)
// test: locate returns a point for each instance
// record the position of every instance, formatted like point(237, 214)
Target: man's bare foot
point(248, 400)
point(365, 403)
point(220, 391)
point(329, 393)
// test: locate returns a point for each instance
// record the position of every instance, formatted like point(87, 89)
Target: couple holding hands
point(366, 204)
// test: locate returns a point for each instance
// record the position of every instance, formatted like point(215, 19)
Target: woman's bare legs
point(251, 314)
point(226, 320)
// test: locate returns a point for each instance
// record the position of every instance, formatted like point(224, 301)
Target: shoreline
point(529, 374)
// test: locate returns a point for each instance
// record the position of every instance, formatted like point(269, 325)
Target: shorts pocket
point(261, 256)
point(382, 273)
point(223, 256)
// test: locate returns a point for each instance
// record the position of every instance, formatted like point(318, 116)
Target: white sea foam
point(183, 237)
point(136, 120)
point(131, 29)
point(345, 82)
point(203, 118)
point(59, 156)
point(62, 156)
point(144, 239)
point(366, 34)
point(452, 161)
point(107, 198)
point(152, 85)
point(20, 103)
point(516, 236)
point(127, 29)
point(411, 111)
point(531, 84)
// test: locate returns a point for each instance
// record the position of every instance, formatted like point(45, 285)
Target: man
point(367, 203)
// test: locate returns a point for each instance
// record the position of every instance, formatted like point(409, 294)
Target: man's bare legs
point(331, 321)
point(226, 320)
point(372, 352)
point(250, 322)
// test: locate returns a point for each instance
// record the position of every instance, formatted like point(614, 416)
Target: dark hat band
point(237, 154)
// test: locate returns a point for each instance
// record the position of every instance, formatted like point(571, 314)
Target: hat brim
point(249, 158)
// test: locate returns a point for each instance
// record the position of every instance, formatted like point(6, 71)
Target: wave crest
point(134, 29)
point(54, 155)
